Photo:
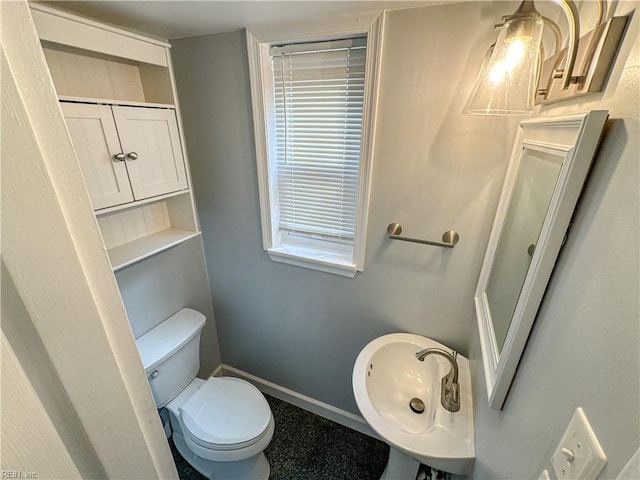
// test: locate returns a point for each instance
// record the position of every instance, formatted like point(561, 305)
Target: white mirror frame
point(575, 138)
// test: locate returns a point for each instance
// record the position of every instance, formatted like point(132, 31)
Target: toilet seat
point(226, 414)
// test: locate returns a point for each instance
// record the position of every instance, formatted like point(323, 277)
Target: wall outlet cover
point(578, 455)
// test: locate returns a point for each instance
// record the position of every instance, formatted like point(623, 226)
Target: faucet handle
point(455, 394)
point(450, 395)
point(449, 377)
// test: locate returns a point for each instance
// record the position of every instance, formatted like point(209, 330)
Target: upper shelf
point(98, 62)
point(82, 74)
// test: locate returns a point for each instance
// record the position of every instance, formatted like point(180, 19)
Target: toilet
point(221, 425)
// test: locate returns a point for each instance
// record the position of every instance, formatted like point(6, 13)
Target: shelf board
point(106, 101)
point(138, 203)
point(132, 252)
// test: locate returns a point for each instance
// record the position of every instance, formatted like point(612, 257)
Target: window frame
point(307, 253)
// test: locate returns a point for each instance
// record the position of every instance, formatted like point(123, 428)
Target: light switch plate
point(578, 455)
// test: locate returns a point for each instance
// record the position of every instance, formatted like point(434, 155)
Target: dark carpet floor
point(308, 447)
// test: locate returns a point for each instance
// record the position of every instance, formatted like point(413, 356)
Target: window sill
point(313, 259)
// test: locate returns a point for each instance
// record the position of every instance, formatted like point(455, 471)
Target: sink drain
point(416, 405)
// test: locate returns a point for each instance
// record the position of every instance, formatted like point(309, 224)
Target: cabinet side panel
point(156, 83)
point(181, 213)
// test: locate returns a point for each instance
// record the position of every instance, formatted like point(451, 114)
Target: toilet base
point(255, 467)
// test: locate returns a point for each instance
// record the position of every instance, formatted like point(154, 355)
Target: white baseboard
point(217, 372)
point(349, 420)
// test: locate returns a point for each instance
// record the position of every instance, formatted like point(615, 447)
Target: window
point(318, 95)
point(313, 122)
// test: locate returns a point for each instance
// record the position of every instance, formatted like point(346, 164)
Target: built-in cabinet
point(118, 97)
point(126, 153)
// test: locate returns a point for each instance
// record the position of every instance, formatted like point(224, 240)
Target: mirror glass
point(534, 186)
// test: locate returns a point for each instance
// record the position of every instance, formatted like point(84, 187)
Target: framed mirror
point(549, 164)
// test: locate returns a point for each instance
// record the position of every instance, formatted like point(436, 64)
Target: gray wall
point(434, 170)
point(159, 286)
point(584, 348)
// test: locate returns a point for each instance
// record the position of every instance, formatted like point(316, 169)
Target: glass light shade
point(507, 82)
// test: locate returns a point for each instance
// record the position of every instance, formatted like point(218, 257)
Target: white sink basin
point(387, 376)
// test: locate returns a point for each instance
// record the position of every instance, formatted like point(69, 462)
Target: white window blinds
point(318, 94)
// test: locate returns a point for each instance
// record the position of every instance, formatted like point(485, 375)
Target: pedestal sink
point(399, 396)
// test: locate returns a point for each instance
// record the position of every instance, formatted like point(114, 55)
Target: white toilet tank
point(170, 354)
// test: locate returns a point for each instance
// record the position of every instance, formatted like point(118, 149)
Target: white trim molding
point(258, 44)
point(347, 419)
point(319, 29)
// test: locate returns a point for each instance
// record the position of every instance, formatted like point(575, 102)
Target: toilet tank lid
point(165, 339)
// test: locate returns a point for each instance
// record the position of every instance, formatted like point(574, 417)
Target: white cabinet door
point(150, 140)
point(95, 139)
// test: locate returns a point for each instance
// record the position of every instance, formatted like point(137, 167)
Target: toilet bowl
point(221, 425)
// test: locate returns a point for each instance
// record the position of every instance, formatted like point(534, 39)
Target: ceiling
point(185, 18)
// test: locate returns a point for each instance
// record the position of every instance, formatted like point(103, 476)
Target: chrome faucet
point(450, 391)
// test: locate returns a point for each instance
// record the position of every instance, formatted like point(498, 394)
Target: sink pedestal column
point(400, 466)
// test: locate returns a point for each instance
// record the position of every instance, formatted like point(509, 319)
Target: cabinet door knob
point(132, 156)
point(119, 157)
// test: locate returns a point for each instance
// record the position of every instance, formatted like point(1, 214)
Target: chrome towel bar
point(449, 238)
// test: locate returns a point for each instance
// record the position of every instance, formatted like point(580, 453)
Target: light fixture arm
point(555, 29)
point(571, 12)
point(601, 12)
